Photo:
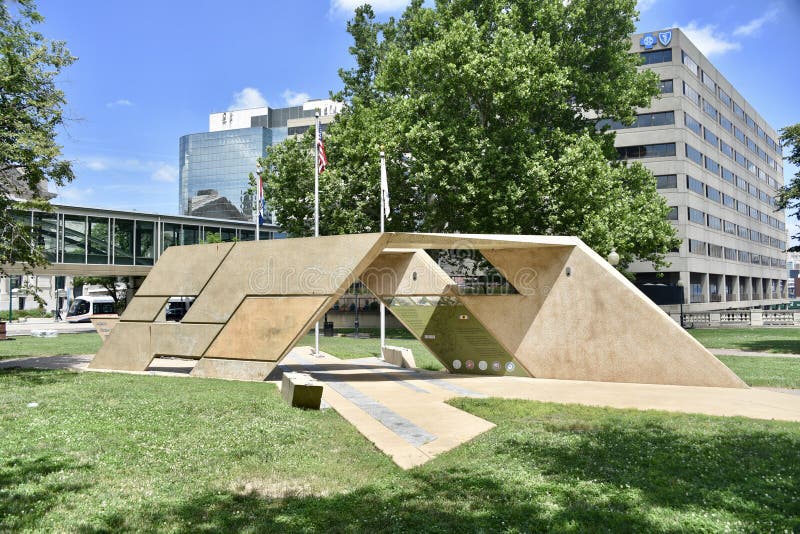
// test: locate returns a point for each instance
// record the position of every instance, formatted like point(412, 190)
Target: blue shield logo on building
point(648, 40)
point(665, 37)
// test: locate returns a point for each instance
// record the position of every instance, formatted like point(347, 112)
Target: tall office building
point(215, 166)
point(719, 166)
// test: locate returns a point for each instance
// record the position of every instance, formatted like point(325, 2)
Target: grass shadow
point(30, 487)
point(36, 377)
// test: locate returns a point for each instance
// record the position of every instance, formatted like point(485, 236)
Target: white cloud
point(378, 5)
point(708, 40)
point(96, 164)
point(294, 98)
point(756, 24)
point(644, 5)
point(247, 98)
point(73, 194)
point(159, 171)
point(165, 173)
point(121, 102)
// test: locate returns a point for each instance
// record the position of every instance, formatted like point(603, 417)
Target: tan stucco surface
point(575, 316)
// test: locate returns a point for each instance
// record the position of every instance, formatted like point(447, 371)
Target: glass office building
point(215, 166)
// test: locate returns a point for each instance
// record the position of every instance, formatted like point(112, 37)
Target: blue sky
point(149, 72)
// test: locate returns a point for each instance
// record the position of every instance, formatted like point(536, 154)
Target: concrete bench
point(400, 356)
point(301, 391)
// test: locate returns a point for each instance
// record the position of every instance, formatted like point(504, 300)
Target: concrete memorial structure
point(570, 315)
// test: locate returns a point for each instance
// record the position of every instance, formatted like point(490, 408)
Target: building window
point(709, 82)
point(666, 86)
point(729, 201)
point(695, 185)
point(740, 159)
point(694, 154)
point(755, 236)
point(730, 254)
point(672, 214)
point(739, 112)
point(657, 56)
point(729, 227)
point(690, 93)
point(659, 150)
point(709, 136)
point(689, 62)
point(713, 194)
point(724, 97)
point(750, 122)
point(667, 181)
point(692, 124)
point(714, 222)
point(697, 247)
point(726, 148)
point(743, 232)
point(744, 256)
point(725, 123)
point(697, 216)
point(751, 144)
point(710, 110)
point(739, 134)
point(761, 133)
point(712, 165)
point(727, 175)
point(715, 251)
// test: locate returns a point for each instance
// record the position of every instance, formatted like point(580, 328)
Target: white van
point(83, 309)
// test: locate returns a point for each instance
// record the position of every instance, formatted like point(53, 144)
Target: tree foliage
point(789, 195)
point(488, 114)
point(30, 112)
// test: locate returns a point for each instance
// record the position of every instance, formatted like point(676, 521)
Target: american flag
point(323, 159)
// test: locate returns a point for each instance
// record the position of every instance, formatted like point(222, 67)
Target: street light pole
point(680, 286)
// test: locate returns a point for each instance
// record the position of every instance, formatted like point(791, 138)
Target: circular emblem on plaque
point(482, 365)
point(456, 364)
point(469, 364)
point(496, 366)
point(510, 367)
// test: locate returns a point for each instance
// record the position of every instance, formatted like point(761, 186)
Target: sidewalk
point(62, 327)
point(737, 352)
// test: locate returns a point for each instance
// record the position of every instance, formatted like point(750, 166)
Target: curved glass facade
point(215, 169)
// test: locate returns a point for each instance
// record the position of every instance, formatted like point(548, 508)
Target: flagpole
point(316, 210)
point(383, 213)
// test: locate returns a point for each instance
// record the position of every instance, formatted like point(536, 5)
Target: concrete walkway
point(737, 352)
point(25, 327)
point(405, 414)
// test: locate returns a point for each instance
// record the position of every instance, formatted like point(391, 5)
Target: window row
point(658, 150)
point(718, 251)
point(715, 223)
point(727, 125)
point(725, 98)
point(729, 176)
point(641, 121)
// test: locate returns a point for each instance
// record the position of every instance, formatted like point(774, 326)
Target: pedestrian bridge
point(81, 241)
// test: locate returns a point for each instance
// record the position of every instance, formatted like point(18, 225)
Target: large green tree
point(30, 113)
point(487, 111)
point(789, 195)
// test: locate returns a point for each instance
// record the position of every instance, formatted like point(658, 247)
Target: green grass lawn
point(113, 452)
point(777, 340)
point(761, 371)
point(22, 346)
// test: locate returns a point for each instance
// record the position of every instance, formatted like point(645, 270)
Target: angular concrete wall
point(574, 317)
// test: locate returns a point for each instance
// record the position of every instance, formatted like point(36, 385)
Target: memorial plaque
point(453, 335)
